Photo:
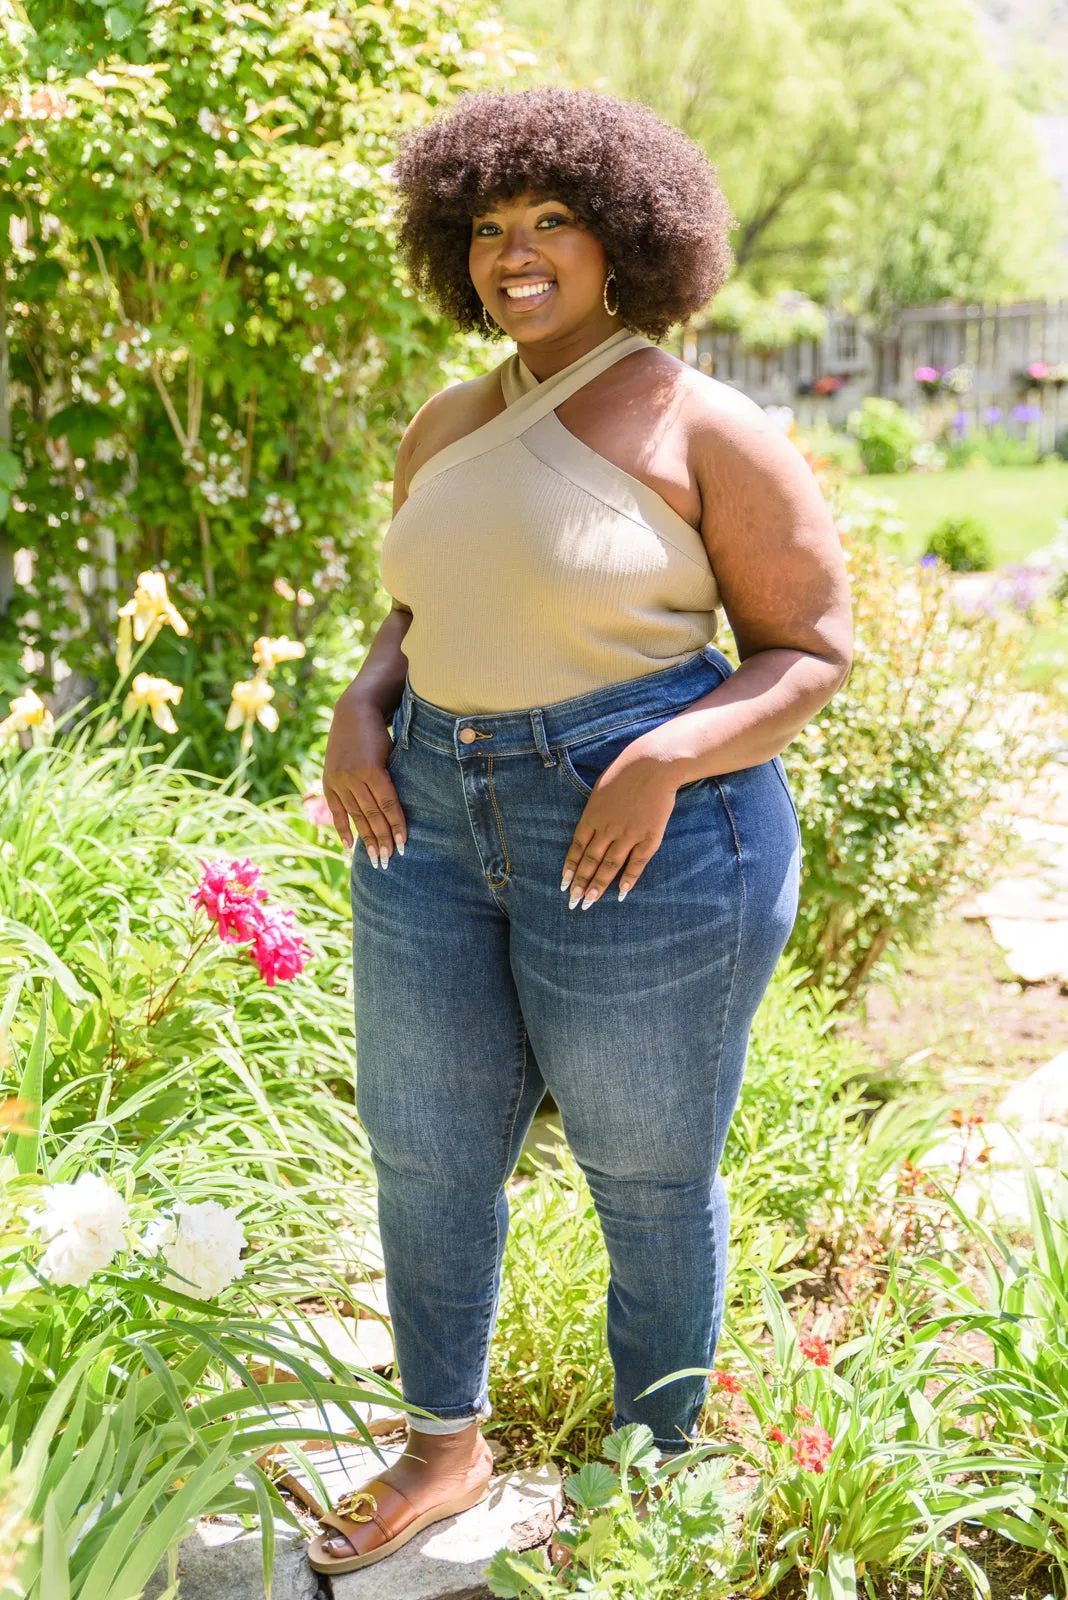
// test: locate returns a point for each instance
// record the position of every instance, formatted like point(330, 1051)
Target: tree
point(871, 151)
point(211, 344)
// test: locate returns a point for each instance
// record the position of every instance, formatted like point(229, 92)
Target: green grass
point(1020, 505)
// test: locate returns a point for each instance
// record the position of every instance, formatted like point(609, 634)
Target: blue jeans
point(477, 987)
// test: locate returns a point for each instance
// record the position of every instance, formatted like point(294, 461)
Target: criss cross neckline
point(526, 404)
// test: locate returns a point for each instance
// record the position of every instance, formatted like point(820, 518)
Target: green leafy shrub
point(550, 1370)
point(963, 543)
point(863, 1460)
point(1020, 1305)
point(887, 435)
point(892, 779)
point(138, 1366)
point(155, 1027)
point(681, 1547)
point(219, 347)
point(804, 1148)
point(994, 445)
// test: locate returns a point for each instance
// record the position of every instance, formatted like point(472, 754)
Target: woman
point(564, 530)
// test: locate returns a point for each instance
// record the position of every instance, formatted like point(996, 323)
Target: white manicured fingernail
point(372, 857)
point(565, 882)
point(383, 858)
point(591, 896)
point(623, 893)
point(400, 847)
point(573, 902)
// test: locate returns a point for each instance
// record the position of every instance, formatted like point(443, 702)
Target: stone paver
point(449, 1559)
point(1041, 1097)
point(1032, 1126)
point(1027, 912)
point(358, 1341)
point(220, 1561)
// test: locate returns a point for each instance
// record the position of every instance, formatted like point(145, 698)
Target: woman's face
point(537, 270)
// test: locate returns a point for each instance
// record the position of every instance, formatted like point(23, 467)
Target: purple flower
point(992, 415)
point(1026, 414)
point(960, 423)
point(928, 562)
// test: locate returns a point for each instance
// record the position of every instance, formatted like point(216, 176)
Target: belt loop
point(537, 722)
point(406, 714)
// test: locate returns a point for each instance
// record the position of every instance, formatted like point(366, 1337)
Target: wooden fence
point(995, 344)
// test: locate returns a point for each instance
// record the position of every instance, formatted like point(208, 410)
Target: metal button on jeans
point(468, 735)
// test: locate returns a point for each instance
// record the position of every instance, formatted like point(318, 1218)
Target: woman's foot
point(436, 1468)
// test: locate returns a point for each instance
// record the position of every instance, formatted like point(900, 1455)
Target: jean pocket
point(585, 761)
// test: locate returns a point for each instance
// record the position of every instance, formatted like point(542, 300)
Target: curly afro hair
point(642, 188)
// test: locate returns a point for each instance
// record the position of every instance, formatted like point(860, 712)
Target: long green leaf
point(55, 1571)
point(26, 1148)
point(193, 1498)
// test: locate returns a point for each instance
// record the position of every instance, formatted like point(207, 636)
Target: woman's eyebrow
point(536, 200)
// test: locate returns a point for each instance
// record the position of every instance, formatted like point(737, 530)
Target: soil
point(957, 1020)
point(1012, 1572)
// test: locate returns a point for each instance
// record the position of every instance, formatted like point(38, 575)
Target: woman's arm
point(783, 584)
point(355, 781)
point(782, 581)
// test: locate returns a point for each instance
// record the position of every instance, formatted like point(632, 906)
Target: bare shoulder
point(447, 416)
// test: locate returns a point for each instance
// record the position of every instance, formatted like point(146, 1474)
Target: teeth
point(527, 290)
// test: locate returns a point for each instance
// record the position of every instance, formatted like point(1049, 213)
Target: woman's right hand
point(356, 783)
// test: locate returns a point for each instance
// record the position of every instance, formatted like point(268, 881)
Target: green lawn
point(1020, 505)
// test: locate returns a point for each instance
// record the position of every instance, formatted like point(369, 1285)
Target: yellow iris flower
point(144, 616)
point(267, 653)
point(158, 694)
point(27, 711)
point(251, 703)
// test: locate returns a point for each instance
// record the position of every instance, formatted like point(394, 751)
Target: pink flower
point(316, 809)
point(927, 374)
point(229, 894)
point(727, 1381)
point(776, 1436)
point(803, 1412)
point(812, 1448)
point(278, 949)
point(816, 1349)
point(1038, 369)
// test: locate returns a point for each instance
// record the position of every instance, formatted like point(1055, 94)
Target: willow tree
point(872, 151)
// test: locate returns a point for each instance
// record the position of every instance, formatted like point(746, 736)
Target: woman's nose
point(518, 247)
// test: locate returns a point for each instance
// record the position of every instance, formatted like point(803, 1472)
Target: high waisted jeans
point(477, 987)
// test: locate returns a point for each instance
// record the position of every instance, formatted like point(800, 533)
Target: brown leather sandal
point(377, 1520)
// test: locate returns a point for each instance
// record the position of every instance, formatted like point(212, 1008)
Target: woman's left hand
point(622, 826)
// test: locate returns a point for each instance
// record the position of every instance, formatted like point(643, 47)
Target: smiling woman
point(637, 187)
point(565, 529)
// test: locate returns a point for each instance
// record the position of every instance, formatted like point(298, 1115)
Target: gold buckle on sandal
point(346, 1506)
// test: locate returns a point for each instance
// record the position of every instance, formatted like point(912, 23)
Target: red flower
point(776, 1436)
point(812, 1448)
point(816, 1349)
point(229, 894)
point(727, 1381)
point(278, 948)
point(803, 1412)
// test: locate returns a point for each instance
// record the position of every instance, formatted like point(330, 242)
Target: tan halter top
point(534, 568)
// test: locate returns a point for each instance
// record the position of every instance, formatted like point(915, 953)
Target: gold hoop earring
point(491, 326)
point(613, 311)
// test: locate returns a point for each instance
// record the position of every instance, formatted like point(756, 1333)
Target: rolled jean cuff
point(449, 1424)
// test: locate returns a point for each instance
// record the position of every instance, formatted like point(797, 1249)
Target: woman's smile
point(527, 296)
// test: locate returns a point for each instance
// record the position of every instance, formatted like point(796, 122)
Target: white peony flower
point(204, 1245)
point(84, 1225)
